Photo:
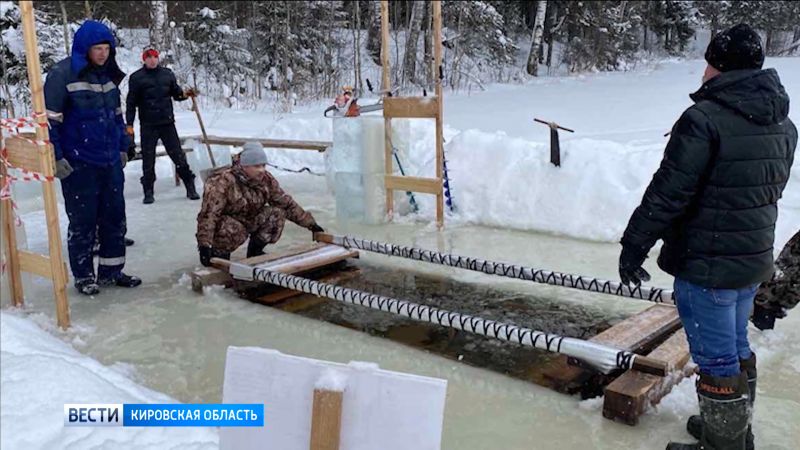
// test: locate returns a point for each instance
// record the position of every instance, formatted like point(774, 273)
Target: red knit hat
point(149, 52)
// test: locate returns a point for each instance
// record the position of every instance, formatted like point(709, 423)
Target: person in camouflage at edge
point(782, 292)
point(245, 201)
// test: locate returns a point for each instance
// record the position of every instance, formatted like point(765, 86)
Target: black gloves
point(630, 267)
point(206, 253)
point(315, 228)
point(764, 316)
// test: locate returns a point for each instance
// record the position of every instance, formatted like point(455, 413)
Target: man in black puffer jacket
point(152, 89)
point(713, 201)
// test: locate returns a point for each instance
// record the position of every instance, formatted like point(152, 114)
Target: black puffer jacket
point(714, 199)
point(152, 91)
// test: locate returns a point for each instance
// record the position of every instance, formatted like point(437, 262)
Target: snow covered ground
point(512, 206)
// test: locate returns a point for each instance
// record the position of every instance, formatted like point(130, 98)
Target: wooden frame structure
point(35, 154)
point(414, 108)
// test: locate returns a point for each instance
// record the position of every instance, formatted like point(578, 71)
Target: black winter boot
point(87, 286)
point(129, 242)
point(748, 366)
point(148, 196)
point(121, 280)
point(191, 192)
point(255, 247)
point(725, 412)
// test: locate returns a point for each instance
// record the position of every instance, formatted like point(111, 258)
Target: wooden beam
point(413, 184)
point(210, 276)
point(10, 234)
point(36, 264)
point(629, 396)
point(388, 151)
point(638, 333)
point(47, 163)
point(436, 7)
point(319, 146)
point(410, 107)
point(326, 419)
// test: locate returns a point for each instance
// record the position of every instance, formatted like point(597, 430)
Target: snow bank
point(501, 181)
point(40, 373)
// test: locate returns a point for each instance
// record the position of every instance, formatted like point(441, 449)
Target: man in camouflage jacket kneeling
point(245, 201)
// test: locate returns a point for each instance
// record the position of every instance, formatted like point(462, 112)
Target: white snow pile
point(40, 373)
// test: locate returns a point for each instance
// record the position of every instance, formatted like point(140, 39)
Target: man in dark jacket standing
point(152, 89)
point(713, 201)
point(88, 135)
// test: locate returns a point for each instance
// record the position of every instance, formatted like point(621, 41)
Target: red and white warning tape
point(20, 122)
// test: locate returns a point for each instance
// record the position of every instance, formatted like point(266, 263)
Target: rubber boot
point(255, 247)
point(148, 195)
point(725, 412)
point(191, 192)
point(121, 280)
point(748, 366)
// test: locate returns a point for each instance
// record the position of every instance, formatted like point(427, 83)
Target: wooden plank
point(47, 164)
point(210, 276)
point(386, 87)
point(411, 107)
point(316, 259)
point(14, 274)
point(629, 396)
point(35, 263)
point(326, 419)
point(436, 9)
point(637, 333)
point(413, 184)
point(24, 154)
point(307, 301)
point(319, 146)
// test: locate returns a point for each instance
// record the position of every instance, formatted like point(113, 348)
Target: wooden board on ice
point(380, 409)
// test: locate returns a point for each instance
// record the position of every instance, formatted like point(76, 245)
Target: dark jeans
point(95, 204)
point(715, 321)
point(169, 137)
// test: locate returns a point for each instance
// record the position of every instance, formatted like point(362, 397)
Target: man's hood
point(757, 95)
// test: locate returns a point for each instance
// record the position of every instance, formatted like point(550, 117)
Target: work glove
point(63, 169)
point(315, 228)
point(190, 92)
point(206, 253)
point(129, 130)
point(764, 316)
point(123, 157)
point(630, 267)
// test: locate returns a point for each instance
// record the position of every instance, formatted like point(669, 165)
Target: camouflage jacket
point(783, 290)
point(232, 193)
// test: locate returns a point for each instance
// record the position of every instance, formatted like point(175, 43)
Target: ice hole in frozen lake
point(483, 300)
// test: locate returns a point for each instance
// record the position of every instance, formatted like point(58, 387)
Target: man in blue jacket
point(88, 135)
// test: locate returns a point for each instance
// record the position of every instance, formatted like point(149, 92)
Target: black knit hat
point(736, 48)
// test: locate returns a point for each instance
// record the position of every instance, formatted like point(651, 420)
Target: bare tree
point(357, 49)
point(538, 28)
point(374, 30)
point(66, 25)
point(88, 9)
point(427, 28)
point(412, 38)
point(158, 24)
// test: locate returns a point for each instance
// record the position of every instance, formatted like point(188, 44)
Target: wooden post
point(7, 212)
point(388, 150)
point(437, 58)
point(47, 160)
point(326, 420)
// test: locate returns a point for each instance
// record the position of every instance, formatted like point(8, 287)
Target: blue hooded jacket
point(83, 102)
